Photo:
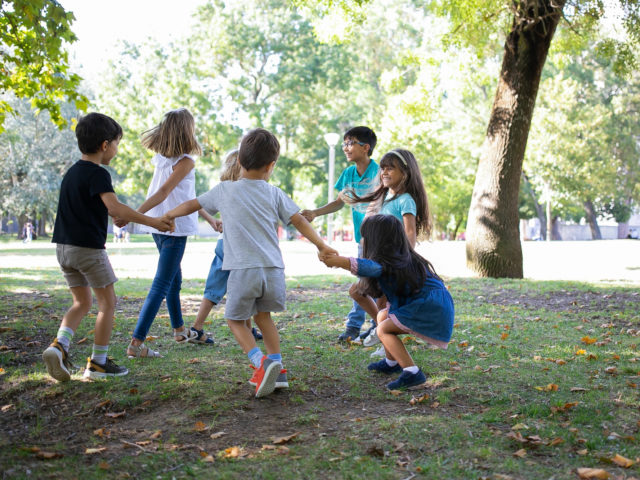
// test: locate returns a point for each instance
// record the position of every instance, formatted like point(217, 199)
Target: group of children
point(398, 288)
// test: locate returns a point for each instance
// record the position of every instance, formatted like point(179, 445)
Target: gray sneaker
point(350, 334)
point(371, 339)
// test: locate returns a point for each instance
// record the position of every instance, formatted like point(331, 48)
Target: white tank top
point(184, 191)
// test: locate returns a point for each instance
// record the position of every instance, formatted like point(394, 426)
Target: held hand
point(326, 251)
point(162, 225)
point(308, 215)
point(216, 225)
point(119, 222)
point(330, 260)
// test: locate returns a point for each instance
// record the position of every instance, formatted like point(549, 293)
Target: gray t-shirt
point(250, 212)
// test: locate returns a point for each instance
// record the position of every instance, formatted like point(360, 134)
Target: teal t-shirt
point(399, 205)
point(361, 185)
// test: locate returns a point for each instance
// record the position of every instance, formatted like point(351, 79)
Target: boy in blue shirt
point(361, 178)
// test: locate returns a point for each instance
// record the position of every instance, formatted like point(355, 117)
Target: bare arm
point(328, 208)
point(180, 170)
point(183, 209)
point(409, 221)
point(336, 261)
point(128, 214)
point(305, 228)
point(214, 222)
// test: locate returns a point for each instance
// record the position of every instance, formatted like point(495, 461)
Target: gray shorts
point(253, 290)
point(84, 267)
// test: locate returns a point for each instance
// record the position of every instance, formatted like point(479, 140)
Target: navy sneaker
point(407, 379)
point(350, 334)
point(256, 333)
point(383, 367)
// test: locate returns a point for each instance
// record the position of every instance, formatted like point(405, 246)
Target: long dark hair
point(404, 161)
point(385, 242)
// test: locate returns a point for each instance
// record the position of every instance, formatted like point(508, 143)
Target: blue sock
point(275, 356)
point(255, 356)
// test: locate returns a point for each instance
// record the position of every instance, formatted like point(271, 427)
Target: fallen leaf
point(115, 414)
point(581, 352)
point(156, 434)
point(208, 459)
point(6, 408)
point(504, 336)
point(419, 399)
point(622, 461)
point(579, 389)
point(92, 451)
point(519, 426)
point(48, 455)
point(151, 338)
point(395, 393)
point(556, 441)
point(520, 453)
point(587, 340)
point(82, 340)
point(587, 473)
point(133, 391)
point(611, 370)
point(194, 360)
point(217, 435)
point(583, 451)
point(200, 427)
point(103, 465)
point(232, 452)
point(288, 438)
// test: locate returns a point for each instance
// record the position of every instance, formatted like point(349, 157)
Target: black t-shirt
point(82, 216)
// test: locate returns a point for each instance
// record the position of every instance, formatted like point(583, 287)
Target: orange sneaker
point(266, 376)
point(281, 381)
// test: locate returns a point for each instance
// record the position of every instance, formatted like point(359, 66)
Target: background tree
point(33, 61)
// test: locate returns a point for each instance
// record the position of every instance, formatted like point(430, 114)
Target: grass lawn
point(541, 379)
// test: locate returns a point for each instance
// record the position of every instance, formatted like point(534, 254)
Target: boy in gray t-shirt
point(251, 209)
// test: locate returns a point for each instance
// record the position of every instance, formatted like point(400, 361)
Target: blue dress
point(427, 314)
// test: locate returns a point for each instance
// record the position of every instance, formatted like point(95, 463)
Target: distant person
point(418, 301)
point(361, 178)
point(400, 193)
point(27, 232)
point(251, 209)
point(80, 232)
point(173, 182)
point(117, 232)
point(216, 285)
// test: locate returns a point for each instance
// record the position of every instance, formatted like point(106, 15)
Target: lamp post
point(332, 140)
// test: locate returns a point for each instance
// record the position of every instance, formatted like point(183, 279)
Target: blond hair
point(174, 135)
point(231, 167)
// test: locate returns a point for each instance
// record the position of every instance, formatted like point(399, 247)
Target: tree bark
point(493, 239)
point(592, 220)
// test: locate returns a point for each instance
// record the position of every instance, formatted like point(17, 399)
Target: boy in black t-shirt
point(86, 199)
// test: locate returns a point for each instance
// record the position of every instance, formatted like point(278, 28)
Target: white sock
point(65, 334)
point(391, 363)
point(412, 369)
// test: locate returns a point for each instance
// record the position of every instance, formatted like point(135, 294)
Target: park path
point(611, 261)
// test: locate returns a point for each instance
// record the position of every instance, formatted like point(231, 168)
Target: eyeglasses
point(351, 143)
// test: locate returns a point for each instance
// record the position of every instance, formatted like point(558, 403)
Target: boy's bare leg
point(271, 338)
point(203, 312)
point(106, 298)
point(79, 308)
point(243, 335)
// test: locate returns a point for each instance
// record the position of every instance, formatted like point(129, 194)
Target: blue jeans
point(357, 316)
point(166, 284)
point(216, 284)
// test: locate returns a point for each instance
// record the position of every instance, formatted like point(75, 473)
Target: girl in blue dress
point(418, 303)
point(400, 193)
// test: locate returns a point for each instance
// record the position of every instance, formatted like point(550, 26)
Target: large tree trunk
point(592, 220)
point(493, 240)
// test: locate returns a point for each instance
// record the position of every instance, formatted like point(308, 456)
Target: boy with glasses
point(361, 178)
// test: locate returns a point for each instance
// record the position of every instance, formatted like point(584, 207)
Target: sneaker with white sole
point(96, 371)
point(281, 381)
point(379, 352)
point(266, 376)
point(371, 339)
point(57, 361)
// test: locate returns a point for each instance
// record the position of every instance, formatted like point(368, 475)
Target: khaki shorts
point(84, 267)
point(253, 290)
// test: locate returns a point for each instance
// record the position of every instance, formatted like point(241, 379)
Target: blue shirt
point(361, 185)
point(399, 206)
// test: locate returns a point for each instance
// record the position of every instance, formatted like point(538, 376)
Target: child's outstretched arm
point(183, 209)
point(123, 212)
point(214, 222)
point(305, 228)
point(332, 207)
point(180, 170)
point(335, 261)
